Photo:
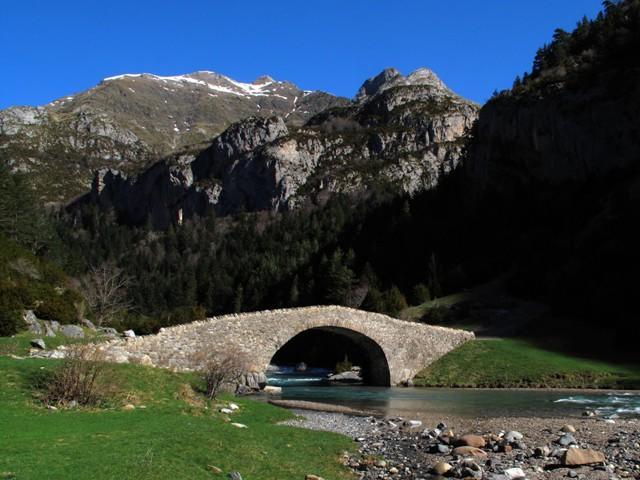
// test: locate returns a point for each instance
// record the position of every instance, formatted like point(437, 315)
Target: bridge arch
point(407, 347)
point(324, 346)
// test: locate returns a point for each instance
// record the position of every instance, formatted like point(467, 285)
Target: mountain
point(128, 121)
point(400, 135)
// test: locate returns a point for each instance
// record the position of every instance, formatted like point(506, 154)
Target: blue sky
point(55, 48)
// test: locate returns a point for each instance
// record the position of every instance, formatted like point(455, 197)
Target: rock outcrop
point(129, 121)
point(401, 135)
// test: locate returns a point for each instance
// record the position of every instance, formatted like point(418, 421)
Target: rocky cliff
point(399, 135)
point(556, 136)
point(129, 121)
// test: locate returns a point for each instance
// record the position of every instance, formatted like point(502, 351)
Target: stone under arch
point(327, 345)
point(407, 347)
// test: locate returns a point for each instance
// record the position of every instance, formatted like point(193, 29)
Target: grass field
point(517, 363)
point(175, 436)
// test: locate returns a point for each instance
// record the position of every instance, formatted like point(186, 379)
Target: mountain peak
point(390, 77)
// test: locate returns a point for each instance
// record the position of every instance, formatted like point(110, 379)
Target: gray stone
point(514, 474)
point(48, 330)
point(234, 476)
point(72, 331)
point(259, 335)
point(566, 440)
point(513, 436)
point(345, 377)
point(108, 331)
point(88, 324)
point(38, 343)
point(32, 322)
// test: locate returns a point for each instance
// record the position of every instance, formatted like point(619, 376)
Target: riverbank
point(410, 447)
point(153, 424)
point(511, 363)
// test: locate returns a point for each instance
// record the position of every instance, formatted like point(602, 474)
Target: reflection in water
point(311, 385)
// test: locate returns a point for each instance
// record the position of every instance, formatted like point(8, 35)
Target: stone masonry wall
point(408, 346)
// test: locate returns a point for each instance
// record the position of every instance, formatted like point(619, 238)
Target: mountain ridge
point(128, 121)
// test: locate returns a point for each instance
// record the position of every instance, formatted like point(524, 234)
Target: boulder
point(470, 440)
point(72, 331)
point(272, 390)
point(88, 324)
point(467, 451)
point(441, 468)
point(32, 322)
point(234, 476)
point(579, 456)
point(568, 429)
point(346, 377)
point(413, 423)
point(129, 334)
point(513, 436)
point(254, 380)
point(226, 411)
point(108, 331)
point(566, 440)
point(49, 330)
point(239, 425)
point(38, 343)
point(514, 474)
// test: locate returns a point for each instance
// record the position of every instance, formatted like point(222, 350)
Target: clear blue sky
point(54, 48)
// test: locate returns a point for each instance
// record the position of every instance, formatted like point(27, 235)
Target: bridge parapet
point(407, 346)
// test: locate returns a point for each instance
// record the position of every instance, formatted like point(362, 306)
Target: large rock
point(38, 343)
point(272, 390)
point(345, 377)
point(470, 440)
point(254, 380)
point(469, 452)
point(578, 456)
point(33, 323)
point(50, 329)
point(72, 331)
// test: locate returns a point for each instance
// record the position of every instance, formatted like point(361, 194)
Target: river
point(311, 385)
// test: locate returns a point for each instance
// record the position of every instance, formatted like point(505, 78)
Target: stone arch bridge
point(395, 349)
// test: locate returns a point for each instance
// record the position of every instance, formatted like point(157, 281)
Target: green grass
point(20, 344)
point(517, 363)
point(174, 437)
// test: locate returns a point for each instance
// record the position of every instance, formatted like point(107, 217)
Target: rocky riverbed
point(423, 447)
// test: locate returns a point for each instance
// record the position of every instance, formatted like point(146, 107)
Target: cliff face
point(400, 136)
point(129, 121)
point(563, 135)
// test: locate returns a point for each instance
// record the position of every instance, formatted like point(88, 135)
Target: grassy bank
point(171, 434)
point(512, 363)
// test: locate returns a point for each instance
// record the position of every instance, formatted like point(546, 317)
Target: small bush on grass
point(57, 308)
point(220, 369)
point(78, 379)
point(10, 322)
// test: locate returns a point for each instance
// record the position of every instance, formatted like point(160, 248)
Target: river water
point(311, 385)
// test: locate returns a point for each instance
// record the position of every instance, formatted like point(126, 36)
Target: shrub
point(57, 308)
point(344, 366)
point(10, 322)
point(77, 379)
point(420, 294)
point(394, 301)
point(220, 369)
